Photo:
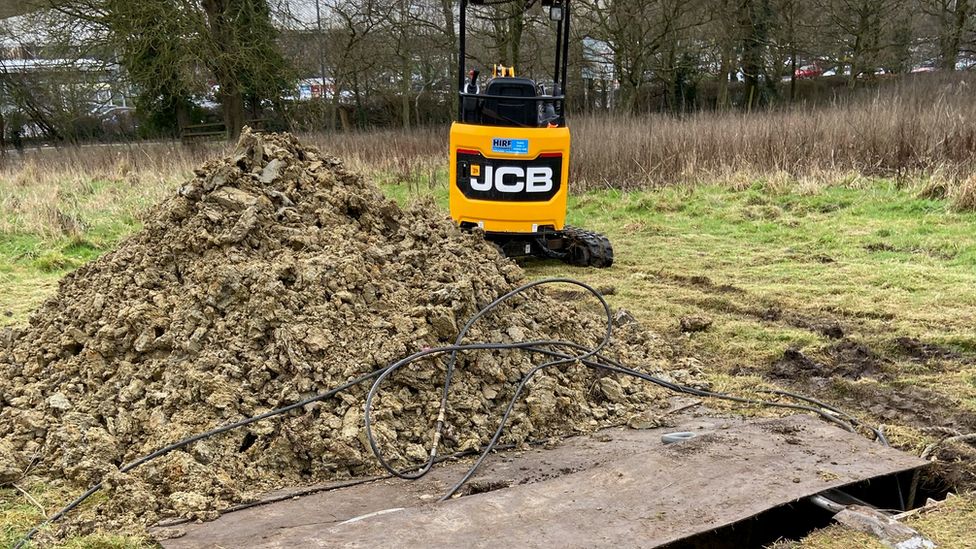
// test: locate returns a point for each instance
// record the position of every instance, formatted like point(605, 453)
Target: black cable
point(452, 361)
point(622, 370)
point(549, 252)
point(589, 357)
point(878, 434)
point(601, 362)
point(190, 440)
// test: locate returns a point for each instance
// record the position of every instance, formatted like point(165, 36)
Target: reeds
point(909, 130)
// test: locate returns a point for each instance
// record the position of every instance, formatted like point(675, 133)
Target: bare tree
point(952, 18)
point(637, 32)
point(861, 32)
point(725, 31)
point(392, 61)
point(162, 42)
point(357, 49)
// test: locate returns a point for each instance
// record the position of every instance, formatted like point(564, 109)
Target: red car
point(808, 71)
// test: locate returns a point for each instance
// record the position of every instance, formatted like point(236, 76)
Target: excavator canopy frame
point(559, 11)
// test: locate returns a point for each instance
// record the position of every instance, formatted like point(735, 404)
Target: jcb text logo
point(514, 179)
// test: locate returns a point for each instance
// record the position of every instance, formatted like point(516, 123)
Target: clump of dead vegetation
point(909, 129)
point(919, 130)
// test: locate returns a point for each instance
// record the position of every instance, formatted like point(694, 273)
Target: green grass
point(870, 256)
point(31, 267)
point(877, 260)
point(53, 225)
point(950, 526)
point(17, 515)
point(867, 253)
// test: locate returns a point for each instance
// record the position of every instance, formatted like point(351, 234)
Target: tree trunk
point(751, 54)
point(232, 105)
point(405, 77)
point(628, 92)
point(722, 99)
point(793, 75)
point(182, 114)
point(360, 109)
point(623, 96)
point(855, 65)
point(447, 8)
point(231, 99)
point(334, 105)
point(590, 95)
point(516, 27)
point(416, 107)
point(674, 100)
point(953, 25)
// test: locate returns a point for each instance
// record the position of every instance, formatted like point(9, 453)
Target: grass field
point(868, 283)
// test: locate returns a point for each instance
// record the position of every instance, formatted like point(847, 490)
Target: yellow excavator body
point(508, 179)
point(509, 155)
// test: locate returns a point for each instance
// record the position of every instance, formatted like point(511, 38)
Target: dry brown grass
point(385, 150)
point(69, 194)
point(911, 129)
point(56, 192)
point(964, 194)
point(921, 130)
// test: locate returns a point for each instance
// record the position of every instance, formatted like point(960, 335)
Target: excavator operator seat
point(496, 109)
point(517, 111)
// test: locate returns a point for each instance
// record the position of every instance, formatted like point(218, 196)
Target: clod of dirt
point(695, 323)
point(646, 421)
point(879, 247)
point(622, 317)
point(796, 365)
point(831, 330)
point(922, 351)
point(483, 486)
point(568, 294)
point(847, 359)
point(705, 282)
point(823, 326)
point(272, 275)
point(854, 360)
point(952, 468)
point(826, 328)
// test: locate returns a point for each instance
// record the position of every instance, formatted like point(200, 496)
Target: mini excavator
point(509, 165)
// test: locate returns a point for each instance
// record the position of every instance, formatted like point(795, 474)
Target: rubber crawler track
point(587, 248)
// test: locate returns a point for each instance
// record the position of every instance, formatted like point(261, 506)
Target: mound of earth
point(275, 274)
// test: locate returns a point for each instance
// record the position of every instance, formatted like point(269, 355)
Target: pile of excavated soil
point(273, 275)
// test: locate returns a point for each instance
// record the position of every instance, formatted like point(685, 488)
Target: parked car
point(808, 71)
point(927, 66)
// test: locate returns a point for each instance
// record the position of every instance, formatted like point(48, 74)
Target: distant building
point(82, 85)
